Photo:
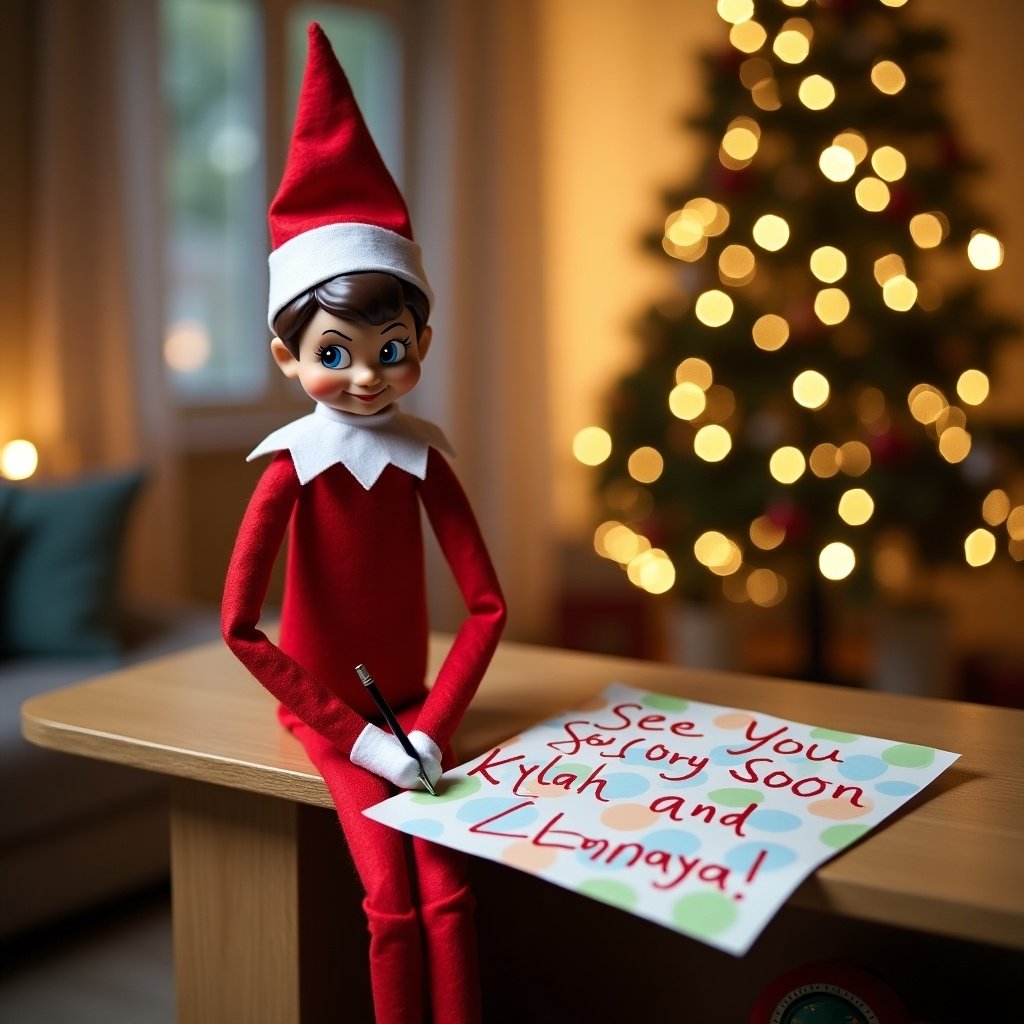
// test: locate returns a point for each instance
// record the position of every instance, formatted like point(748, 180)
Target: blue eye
point(393, 352)
point(333, 357)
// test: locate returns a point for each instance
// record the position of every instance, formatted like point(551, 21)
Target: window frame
point(214, 424)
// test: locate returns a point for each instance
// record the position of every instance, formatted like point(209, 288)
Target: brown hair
point(366, 297)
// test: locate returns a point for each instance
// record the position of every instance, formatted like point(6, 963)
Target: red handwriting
point(808, 787)
point(786, 747)
point(570, 781)
point(668, 870)
point(673, 807)
point(655, 754)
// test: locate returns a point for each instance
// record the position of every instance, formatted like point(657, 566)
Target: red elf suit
point(351, 488)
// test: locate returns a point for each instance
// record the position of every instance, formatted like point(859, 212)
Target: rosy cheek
point(319, 385)
point(406, 377)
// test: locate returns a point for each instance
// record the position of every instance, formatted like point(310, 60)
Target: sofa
point(74, 832)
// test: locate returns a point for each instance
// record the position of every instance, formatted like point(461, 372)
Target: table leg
point(266, 930)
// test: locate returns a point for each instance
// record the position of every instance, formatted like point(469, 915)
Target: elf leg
point(380, 859)
point(446, 909)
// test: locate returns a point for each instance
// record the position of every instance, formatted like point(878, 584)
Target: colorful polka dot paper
point(701, 818)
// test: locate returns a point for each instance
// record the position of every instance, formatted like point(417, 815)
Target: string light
point(828, 264)
point(816, 92)
point(735, 11)
point(979, 547)
point(810, 389)
point(888, 267)
point(837, 163)
point(928, 229)
point(766, 588)
point(695, 371)
point(736, 265)
point(712, 442)
point(771, 232)
point(645, 465)
point(793, 43)
point(687, 400)
point(972, 387)
point(836, 561)
point(888, 77)
point(652, 571)
point(856, 506)
point(985, 251)
point(713, 308)
point(824, 460)
point(889, 163)
point(765, 534)
point(19, 459)
point(899, 293)
point(854, 458)
point(854, 143)
point(770, 332)
point(996, 507)
point(831, 306)
point(954, 444)
point(787, 464)
point(872, 194)
point(748, 36)
point(592, 445)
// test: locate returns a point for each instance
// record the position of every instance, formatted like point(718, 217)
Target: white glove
point(380, 752)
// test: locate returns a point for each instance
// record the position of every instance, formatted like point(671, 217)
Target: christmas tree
point(804, 409)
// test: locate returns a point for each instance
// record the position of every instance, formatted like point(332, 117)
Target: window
point(220, 92)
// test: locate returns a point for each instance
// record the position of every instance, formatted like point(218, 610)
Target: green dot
point(835, 735)
point(705, 913)
point(448, 791)
point(665, 702)
point(618, 894)
point(838, 836)
point(735, 797)
point(908, 755)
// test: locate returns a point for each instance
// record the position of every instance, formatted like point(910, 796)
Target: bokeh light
point(770, 332)
point(836, 561)
point(592, 445)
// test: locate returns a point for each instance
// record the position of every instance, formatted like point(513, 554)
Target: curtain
point(476, 205)
point(79, 345)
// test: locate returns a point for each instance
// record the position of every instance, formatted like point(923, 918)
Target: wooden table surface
point(948, 863)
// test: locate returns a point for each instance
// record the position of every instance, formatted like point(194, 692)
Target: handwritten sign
point(701, 818)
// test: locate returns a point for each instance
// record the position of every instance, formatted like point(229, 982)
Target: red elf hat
point(337, 210)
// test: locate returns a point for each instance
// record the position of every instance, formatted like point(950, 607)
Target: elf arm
point(259, 539)
point(463, 546)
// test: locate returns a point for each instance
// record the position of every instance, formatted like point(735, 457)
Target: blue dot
point(698, 780)
point(862, 766)
point(672, 840)
point(721, 755)
point(635, 755)
point(742, 857)
point(767, 820)
point(894, 787)
point(475, 811)
point(623, 784)
point(425, 828)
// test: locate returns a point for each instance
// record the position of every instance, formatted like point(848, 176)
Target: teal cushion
point(60, 553)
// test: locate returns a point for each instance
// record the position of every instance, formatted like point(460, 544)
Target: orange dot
point(841, 809)
point(628, 817)
point(528, 857)
point(733, 720)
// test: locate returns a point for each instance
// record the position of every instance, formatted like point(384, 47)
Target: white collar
point(364, 445)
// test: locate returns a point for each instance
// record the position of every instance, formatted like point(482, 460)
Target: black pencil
point(389, 716)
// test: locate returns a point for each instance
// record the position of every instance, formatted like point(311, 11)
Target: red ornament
point(791, 518)
point(890, 448)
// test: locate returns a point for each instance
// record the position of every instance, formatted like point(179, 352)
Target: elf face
point(355, 367)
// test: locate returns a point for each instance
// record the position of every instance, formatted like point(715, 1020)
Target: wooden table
point(258, 884)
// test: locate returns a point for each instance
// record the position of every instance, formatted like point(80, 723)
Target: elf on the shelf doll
point(349, 302)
